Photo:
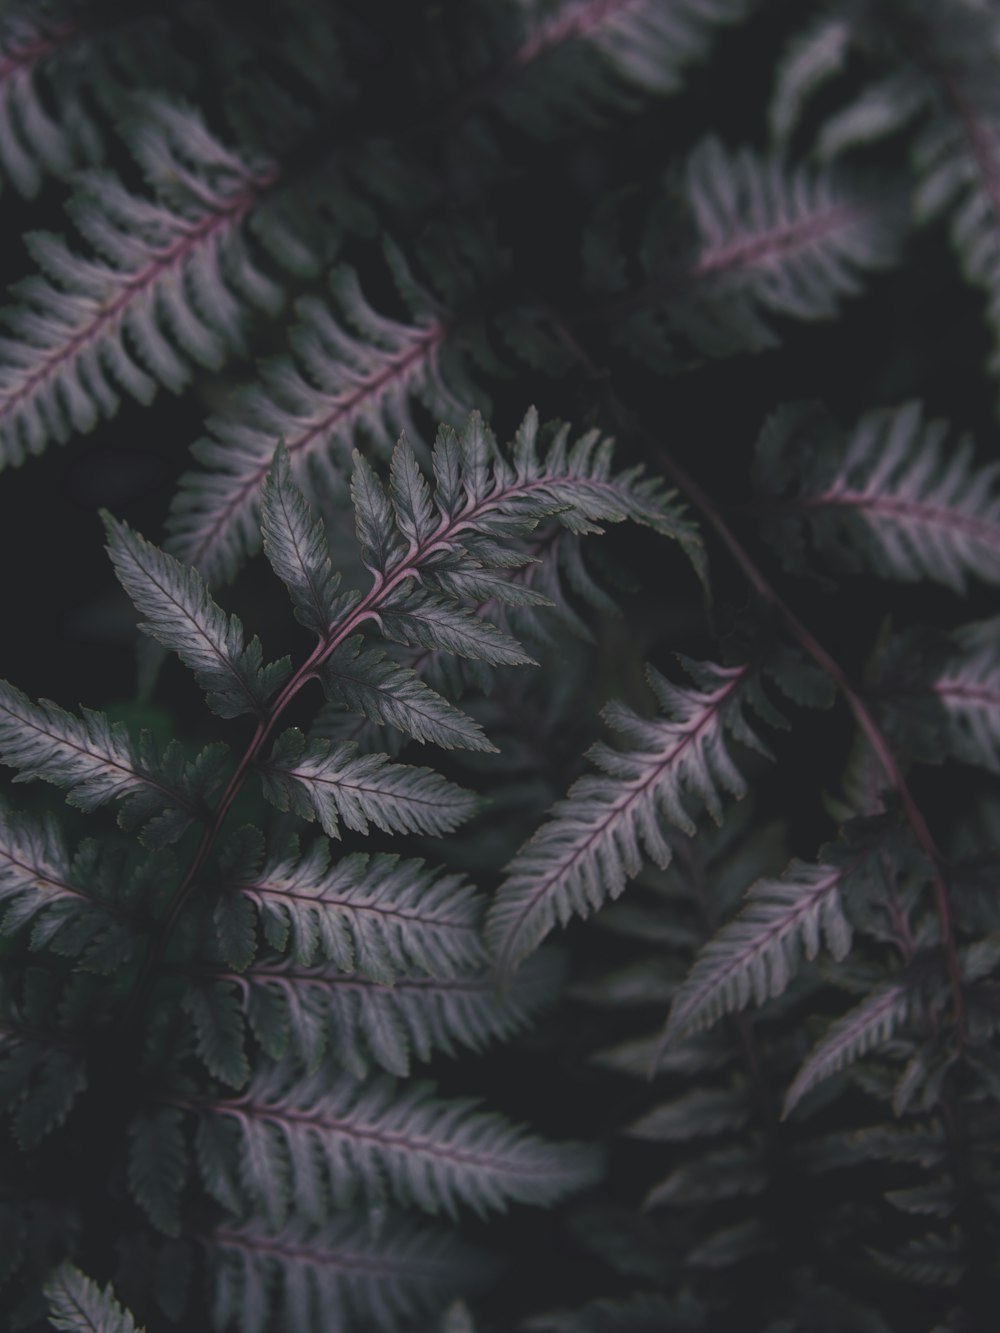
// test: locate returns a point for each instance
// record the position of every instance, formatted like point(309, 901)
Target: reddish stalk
point(862, 715)
point(383, 586)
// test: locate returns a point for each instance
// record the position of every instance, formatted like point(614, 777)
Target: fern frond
point(955, 153)
point(642, 1312)
point(726, 1173)
point(596, 840)
point(423, 620)
point(333, 783)
point(772, 243)
point(78, 1305)
point(42, 1073)
point(769, 243)
point(346, 380)
point(933, 1260)
point(578, 59)
point(98, 761)
point(334, 1276)
point(158, 1166)
point(869, 1025)
point(707, 1111)
point(33, 142)
point(169, 289)
point(377, 915)
point(377, 1136)
point(362, 1021)
point(814, 55)
point(756, 955)
point(890, 498)
point(968, 689)
point(295, 545)
point(366, 681)
point(185, 619)
point(61, 897)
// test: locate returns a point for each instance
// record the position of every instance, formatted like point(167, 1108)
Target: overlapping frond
point(756, 955)
point(376, 915)
point(314, 1278)
point(320, 1141)
point(78, 1305)
point(167, 289)
point(601, 831)
point(352, 375)
point(891, 497)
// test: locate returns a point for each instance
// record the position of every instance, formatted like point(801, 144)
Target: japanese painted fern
point(542, 934)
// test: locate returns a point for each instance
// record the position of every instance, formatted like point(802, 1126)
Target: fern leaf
point(583, 490)
point(891, 499)
point(727, 1173)
point(41, 885)
point(642, 1312)
point(295, 544)
point(756, 955)
point(218, 1031)
point(869, 1025)
point(334, 1276)
point(337, 387)
point(157, 1166)
point(333, 783)
point(376, 915)
point(968, 689)
point(595, 842)
point(40, 1081)
point(426, 621)
point(76, 1304)
point(936, 1199)
point(381, 547)
point(376, 1136)
point(707, 1111)
point(169, 290)
point(591, 56)
point(932, 1260)
point(366, 681)
point(815, 55)
point(33, 142)
point(956, 150)
point(93, 757)
point(363, 1021)
point(184, 618)
point(770, 243)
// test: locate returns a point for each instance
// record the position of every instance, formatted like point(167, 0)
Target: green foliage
point(648, 897)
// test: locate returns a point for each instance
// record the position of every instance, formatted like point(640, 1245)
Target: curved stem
point(384, 585)
point(810, 644)
point(857, 705)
